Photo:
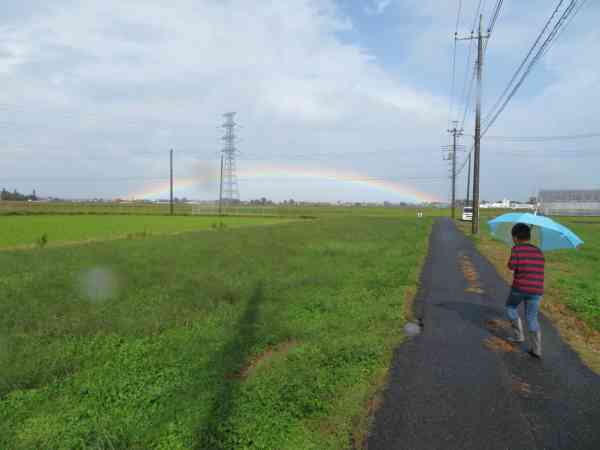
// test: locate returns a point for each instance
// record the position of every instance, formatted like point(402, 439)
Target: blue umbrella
point(545, 232)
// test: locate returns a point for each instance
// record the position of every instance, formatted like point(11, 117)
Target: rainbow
point(287, 173)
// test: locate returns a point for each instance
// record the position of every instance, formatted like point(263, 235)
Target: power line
point(468, 98)
point(477, 13)
point(541, 51)
point(491, 27)
point(83, 179)
point(248, 178)
point(207, 157)
point(453, 82)
point(543, 138)
point(493, 21)
point(522, 64)
point(495, 16)
point(466, 94)
point(540, 152)
point(569, 20)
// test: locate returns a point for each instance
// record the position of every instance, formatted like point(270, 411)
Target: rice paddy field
point(46, 229)
point(217, 338)
point(147, 208)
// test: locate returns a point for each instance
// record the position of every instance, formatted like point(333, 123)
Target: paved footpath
point(459, 385)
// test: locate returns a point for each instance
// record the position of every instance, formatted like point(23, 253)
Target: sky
point(337, 100)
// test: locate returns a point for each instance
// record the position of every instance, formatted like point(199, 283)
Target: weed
point(42, 240)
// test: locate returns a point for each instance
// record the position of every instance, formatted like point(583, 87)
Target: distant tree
point(15, 196)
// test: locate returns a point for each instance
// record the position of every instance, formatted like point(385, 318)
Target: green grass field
point(27, 230)
point(576, 272)
point(252, 337)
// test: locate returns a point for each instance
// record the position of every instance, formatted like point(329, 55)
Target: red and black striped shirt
point(527, 262)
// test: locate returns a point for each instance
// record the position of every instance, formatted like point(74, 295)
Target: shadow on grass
point(217, 427)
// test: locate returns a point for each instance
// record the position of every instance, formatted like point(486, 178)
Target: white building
point(504, 204)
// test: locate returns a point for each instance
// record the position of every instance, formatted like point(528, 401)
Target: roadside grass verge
point(257, 337)
point(572, 294)
point(41, 230)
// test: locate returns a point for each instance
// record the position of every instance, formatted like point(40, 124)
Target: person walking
point(527, 263)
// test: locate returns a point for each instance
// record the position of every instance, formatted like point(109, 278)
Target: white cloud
point(110, 80)
point(96, 88)
point(377, 7)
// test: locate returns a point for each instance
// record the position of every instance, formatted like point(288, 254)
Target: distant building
point(503, 204)
point(570, 202)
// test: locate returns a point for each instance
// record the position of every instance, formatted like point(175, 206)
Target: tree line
point(16, 196)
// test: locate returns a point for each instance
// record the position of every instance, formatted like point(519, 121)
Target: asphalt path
point(460, 385)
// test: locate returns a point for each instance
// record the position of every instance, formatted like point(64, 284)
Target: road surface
point(460, 385)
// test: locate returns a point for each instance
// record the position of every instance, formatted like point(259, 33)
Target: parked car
point(467, 214)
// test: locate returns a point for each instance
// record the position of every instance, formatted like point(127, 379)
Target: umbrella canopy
point(545, 232)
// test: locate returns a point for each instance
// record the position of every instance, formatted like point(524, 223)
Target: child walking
point(527, 262)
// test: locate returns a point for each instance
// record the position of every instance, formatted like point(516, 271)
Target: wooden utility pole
point(455, 134)
point(476, 159)
point(221, 188)
point(469, 183)
point(477, 144)
point(171, 181)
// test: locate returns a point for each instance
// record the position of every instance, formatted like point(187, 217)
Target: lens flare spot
point(99, 284)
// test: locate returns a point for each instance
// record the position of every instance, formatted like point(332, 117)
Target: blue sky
point(96, 92)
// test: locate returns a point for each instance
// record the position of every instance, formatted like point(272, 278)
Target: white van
point(467, 214)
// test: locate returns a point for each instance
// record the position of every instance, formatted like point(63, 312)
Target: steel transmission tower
point(229, 182)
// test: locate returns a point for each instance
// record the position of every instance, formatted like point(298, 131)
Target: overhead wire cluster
point(560, 18)
point(540, 47)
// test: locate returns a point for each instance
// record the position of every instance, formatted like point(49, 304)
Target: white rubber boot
point(517, 328)
point(536, 343)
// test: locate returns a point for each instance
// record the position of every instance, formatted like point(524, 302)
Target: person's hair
point(522, 232)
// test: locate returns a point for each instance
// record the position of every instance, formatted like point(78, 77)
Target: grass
point(41, 230)
point(572, 297)
point(256, 337)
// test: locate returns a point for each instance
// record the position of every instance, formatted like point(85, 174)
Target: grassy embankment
point(572, 298)
point(257, 337)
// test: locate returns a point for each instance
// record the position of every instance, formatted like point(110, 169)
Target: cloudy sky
point(337, 99)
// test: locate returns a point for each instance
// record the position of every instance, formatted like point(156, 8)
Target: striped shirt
point(527, 262)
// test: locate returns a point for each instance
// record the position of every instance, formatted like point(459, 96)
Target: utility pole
point(477, 144)
point(221, 188)
point(469, 183)
point(171, 181)
point(455, 134)
point(475, 223)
